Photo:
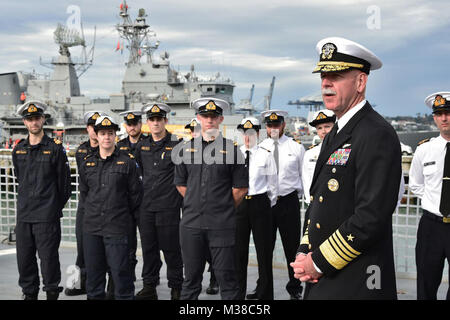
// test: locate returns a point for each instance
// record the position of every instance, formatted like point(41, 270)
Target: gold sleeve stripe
point(331, 256)
point(345, 243)
point(305, 238)
point(335, 246)
point(342, 247)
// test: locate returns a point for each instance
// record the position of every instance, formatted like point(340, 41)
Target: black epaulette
point(298, 141)
point(423, 141)
point(265, 149)
point(314, 145)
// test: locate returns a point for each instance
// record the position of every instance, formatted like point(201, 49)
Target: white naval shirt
point(291, 155)
point(262, 173)
point(309, 165)
point(426, 173)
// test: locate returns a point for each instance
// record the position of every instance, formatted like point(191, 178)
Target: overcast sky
point(250, 41)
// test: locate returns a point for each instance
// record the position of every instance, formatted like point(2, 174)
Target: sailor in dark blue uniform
point(159, 214)
point(43, 176)
point(133, 126)
point(111, 187)
point(212, 176)
point(82, 151)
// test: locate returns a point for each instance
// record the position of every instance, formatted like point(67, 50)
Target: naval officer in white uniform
point(288, 155)
point(429, 179)
point(254, 213)
point(323, 121)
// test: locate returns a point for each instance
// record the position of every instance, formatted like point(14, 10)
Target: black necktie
point(247, 159)
point(332, 133)
point(444, 207)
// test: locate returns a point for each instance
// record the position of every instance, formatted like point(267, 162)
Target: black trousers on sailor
point(160, 231)
point(432, 248)
point(108, 254)
point(79, 235)
point(254, 215)
point(286, 218)
point(43, 238)
point(194, 245)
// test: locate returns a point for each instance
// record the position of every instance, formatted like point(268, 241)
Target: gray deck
point(9, 289)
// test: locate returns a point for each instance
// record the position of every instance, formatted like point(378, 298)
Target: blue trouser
point(44, 238)
point(103, 253)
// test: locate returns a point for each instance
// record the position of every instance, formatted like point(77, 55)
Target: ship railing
point(405, 220)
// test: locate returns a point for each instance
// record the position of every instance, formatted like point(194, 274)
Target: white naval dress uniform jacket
point(309, 164)
point(426, 172)
point(262, 173)
point(291, 155)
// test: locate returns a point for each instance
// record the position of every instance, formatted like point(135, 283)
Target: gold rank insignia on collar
point(248, 125)
point(155, 109)
point(328, 50)
point(211, 106)
point(273, 116)
point(130, 116)
point(32, 108)
point(438, 101)
point(106, 122)
point(95, 116)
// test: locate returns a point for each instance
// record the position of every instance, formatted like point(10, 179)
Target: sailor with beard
point(133, 126)
point(43, 176)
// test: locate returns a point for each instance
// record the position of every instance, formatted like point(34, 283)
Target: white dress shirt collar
point(349, 114)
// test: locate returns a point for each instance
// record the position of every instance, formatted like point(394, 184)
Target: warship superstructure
point(146, 80)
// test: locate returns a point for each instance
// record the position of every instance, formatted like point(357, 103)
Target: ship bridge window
point(209, 89)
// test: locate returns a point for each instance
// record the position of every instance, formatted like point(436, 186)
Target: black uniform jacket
point(82, 152)
point(112, 191)
point(43, 174)
point(209, 171)
point(126, 146)
point(155, 161)
point(349, 221)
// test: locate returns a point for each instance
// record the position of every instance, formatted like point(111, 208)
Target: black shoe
point(252, 296)
point(147, 293)
point(175, 294)
point(213, 287)
point(30, 296)
point(77, 291)
point(296, 296)
point(54, 294)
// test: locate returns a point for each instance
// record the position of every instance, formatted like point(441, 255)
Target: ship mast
point(137, 34)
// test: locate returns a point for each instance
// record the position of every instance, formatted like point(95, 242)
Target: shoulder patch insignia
point(169, 148)
point(124, 148)
point(423, 141)
point(145, 148)
point(21, 152)
point(120, 162)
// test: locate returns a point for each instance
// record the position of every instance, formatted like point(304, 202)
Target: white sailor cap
point(156, 110)
point(339, 54)
point(192, 124)
point(438, 101)
point(322, 116)
point(249, 123)
point(91, 116)
point(32, 108)
point(132, 115)
point(274, 116)
point(105, 122)
point(210, 105)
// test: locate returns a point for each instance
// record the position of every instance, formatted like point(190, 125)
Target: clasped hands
point(304, 269)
